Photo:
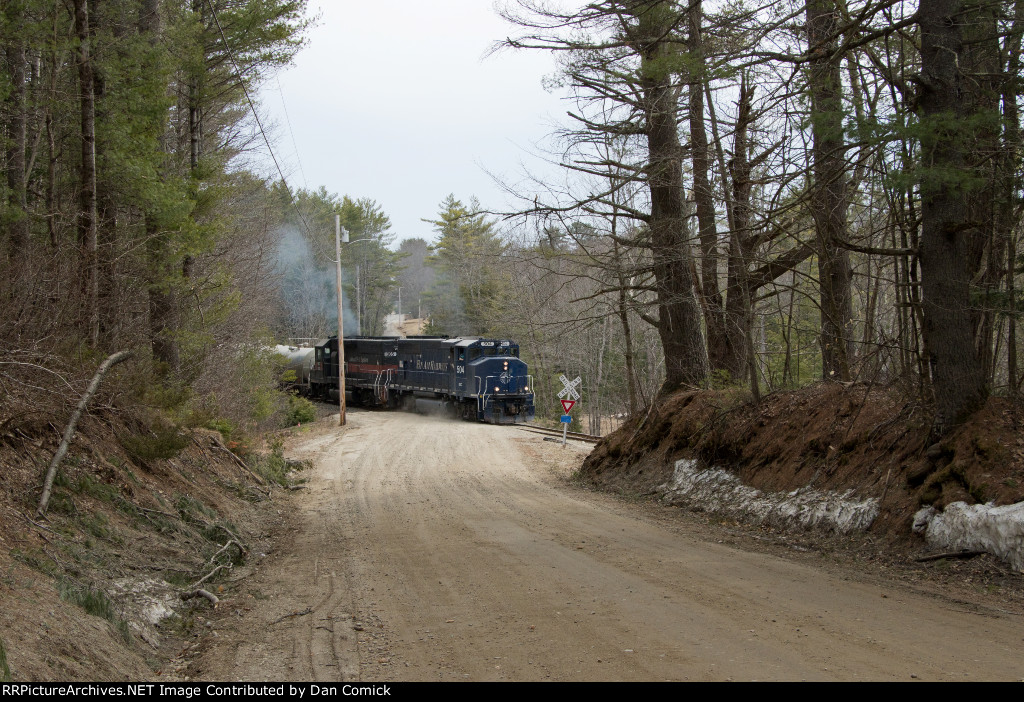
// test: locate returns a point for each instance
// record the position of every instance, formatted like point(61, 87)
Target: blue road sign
point(566, 419)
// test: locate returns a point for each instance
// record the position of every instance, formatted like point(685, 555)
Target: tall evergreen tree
point(957, 111)
point(470, 284)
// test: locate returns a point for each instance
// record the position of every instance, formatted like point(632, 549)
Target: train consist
point(472, 378)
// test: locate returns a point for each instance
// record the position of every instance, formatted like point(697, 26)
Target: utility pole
point(341, 323)
point(359, 301)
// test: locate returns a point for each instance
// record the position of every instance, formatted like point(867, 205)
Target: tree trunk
point(195, 126)
point(195, 121)
point(981, 65)
point(679, 318)
point(1009, 163)
point(627, 336)
point(52, 154)
point(828, 190)
point(738, 312)
point(16, 138)
point(739, 304)
point(595, 391)
point(163, 304)
point(87, 179)
point(106, 220)
point(714, 316)
point(949, 240)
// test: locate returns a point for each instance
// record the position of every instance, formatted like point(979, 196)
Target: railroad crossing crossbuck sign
point(569, 392)
point(569, 396)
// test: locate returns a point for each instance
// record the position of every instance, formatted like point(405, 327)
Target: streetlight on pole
point(341, 234)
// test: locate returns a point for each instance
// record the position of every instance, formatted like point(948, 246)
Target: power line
point(288, 121)
point(252, 107)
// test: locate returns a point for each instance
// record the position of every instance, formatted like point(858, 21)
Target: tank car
point(297, 365)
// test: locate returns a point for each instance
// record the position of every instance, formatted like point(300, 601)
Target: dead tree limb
point(157, 511)
point(230, 534)
point(41, 526)
point(237, 460)
point(69, 431)
point(949, 554)
point(201, 593)
point(209, 575)
point(241, 550)
point(307, 610)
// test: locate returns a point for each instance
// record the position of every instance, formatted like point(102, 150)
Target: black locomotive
point(473, 378)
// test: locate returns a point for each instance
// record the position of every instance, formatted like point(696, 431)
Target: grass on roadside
point(94, 602)
point(5, 669)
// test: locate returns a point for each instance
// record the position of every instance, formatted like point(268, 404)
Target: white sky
point(397, 102)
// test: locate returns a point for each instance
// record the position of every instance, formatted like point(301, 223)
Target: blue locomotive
point(472, 378)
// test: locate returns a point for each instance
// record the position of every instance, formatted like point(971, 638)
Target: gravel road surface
point(430, 549)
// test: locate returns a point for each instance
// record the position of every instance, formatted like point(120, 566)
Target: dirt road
point(426, 549)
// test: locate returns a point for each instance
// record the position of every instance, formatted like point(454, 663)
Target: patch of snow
point(995, 530)
point(145, 604)
point(716, 490)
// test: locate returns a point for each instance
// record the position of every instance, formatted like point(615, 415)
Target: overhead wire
point(291, 132)
point(252, 107)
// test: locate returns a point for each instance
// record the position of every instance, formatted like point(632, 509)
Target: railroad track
point(558, 432)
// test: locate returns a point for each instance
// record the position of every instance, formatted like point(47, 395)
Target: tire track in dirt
point(320, 638)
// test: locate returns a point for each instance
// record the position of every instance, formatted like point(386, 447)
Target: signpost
point(568, 397)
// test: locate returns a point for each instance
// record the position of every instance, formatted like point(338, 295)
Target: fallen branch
point(205, 523)
point(239, 461)
point(56, 562)
point(69, 432)
point(41, 526)
point(158, 569)
point(3, 426)
point(208, 576)
point(156, 511)
point(307, 610)
point(241, 550)
point(885, 488)
point(201, 593)
point(950, 554)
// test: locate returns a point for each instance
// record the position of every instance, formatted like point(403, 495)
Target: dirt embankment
point(829, 436)
point(87, 590)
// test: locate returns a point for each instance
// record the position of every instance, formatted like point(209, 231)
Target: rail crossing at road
point(568, 397)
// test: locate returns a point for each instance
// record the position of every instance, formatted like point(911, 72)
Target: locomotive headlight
point(497, 389)
point(526, 388)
